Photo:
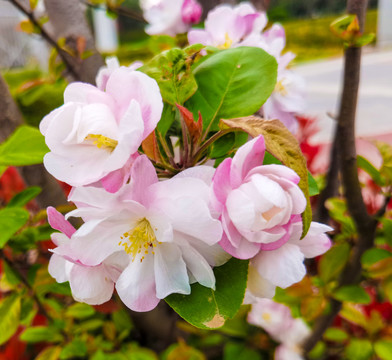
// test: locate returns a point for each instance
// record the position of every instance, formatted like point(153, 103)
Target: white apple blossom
point(277, 321)
point(165, 229)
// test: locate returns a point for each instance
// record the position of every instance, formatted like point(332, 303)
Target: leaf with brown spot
point(282, 144)
point(209, 309)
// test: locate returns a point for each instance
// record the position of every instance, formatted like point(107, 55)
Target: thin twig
point(207, 143)
point(47, 37)
point(25, 282)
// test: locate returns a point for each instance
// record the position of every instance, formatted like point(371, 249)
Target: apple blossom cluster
point(277, 321)
point(149, 238)
point(170, 17)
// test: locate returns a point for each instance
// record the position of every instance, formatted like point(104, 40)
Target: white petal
point(198, 266)
point(316, 242)
point(91, 284)
point(59, 268)
point(170, 271)
point(136, 285)
point(283, 267)
point(258, 286)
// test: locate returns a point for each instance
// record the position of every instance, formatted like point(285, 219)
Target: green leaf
point(365, 165)
point(283, 146)
point(169, 114)
point(333, 262)
point(209, 309)
point(313, 187)
point(235, 351)
point(318, 351)
point(374, 255)
point(352, 293)
point(9, 317)
point(365, 39)
point(22, 198)
point(383, 349)
point(122, 322)
point(172, 71)
point(222, 146)
point(80, 311)
point(76, 348)
point(232, 83)
point(11, 220)
point(385, 150)
point(335, 334)
point(26, 146)
point(359, 349)
point(37, 334)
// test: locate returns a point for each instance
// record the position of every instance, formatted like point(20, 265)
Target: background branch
point(345, 139)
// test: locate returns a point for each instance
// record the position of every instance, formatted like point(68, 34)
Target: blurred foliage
point(312, 39)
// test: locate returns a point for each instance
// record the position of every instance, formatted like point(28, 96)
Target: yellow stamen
point(141, 237)
point(266, 317)
point(101, 141)
point(227, 44)
point(280, 88)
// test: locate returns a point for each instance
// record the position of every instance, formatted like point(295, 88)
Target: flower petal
point(136, 285)
point(170, 271)
point(91, 285)
point(282, 267)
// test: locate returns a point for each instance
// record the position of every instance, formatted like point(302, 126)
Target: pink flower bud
point(191, 12)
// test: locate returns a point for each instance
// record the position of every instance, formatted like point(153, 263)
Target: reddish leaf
point(194, 128)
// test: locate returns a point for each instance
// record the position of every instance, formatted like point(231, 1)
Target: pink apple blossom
point(165, 229)
point(170, 17)
point(258, 203)
point(277, 321)
point(97, 132)
point(227, 26)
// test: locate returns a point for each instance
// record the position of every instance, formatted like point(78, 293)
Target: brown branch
point(30, 14)
point(25, 282)
point(121, 11)
point(345, 137)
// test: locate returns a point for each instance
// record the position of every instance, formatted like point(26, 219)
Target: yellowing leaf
point(9, 317)
point(282, 144)
point(49, 353)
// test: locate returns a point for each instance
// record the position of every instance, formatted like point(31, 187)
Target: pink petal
point(247, 157)
point(116, 179)
point(221, 181)
point(57, 221)
point(143, 175)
